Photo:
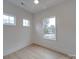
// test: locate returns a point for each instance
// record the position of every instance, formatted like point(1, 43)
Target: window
point(8, 20)
point(26, 23)
point(50, 28)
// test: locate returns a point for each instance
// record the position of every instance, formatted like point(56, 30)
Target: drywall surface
point(16, 36)
point(65, 32)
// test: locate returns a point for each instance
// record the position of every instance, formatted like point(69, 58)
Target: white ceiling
point(30, 6)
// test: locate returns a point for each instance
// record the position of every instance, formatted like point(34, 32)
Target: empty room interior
point(39, 29)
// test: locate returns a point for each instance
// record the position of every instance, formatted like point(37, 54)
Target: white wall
point(16, 37)
point(65, 22)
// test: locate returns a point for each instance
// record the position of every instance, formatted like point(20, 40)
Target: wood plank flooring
point(36, 52)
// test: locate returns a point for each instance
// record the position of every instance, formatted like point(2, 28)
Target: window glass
point(5, 19)
point(26, 23)
point(8, 20)
point(50, 28)
point(11, 20)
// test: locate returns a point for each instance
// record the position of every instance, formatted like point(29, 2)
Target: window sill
point(50, 36)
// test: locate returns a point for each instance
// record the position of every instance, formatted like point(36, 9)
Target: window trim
point(9, 20)
point(55, 25)
point(26, 25)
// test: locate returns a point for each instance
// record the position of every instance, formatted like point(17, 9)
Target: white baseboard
point(59, 51)
point(18, 48)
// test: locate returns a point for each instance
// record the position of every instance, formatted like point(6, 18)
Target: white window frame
point(44, 27)
point(9, 20)
point(27, 21)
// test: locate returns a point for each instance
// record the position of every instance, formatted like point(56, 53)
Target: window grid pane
point(50, 28)
point(11, 20)
point(5, 19)
point(8, 20)
point(26, 23)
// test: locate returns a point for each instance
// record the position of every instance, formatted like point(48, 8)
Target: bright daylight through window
point(26, 23)
point(8, 20)
point(50, 28)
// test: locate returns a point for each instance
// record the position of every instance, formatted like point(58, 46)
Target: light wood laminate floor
point(36, 52)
